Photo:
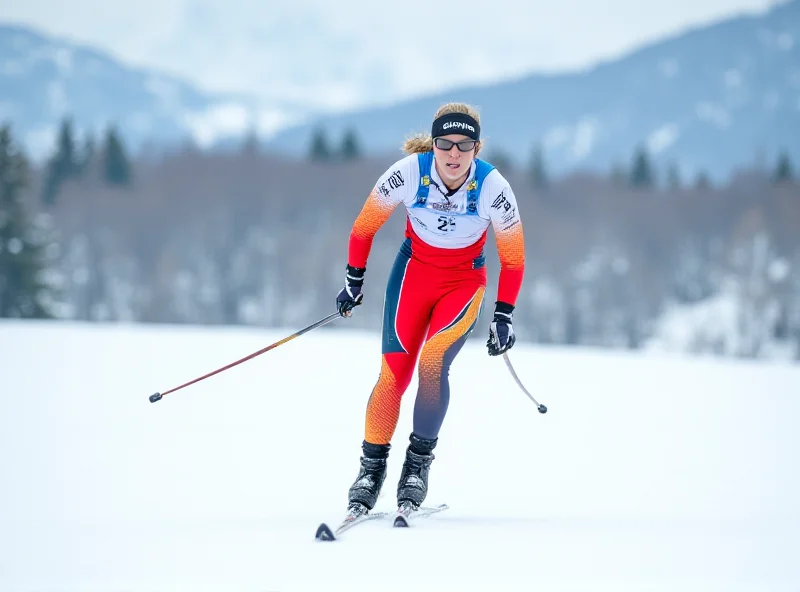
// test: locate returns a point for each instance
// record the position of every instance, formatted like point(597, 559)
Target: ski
point(353, 517)
point(358, 516)
point(406, 513)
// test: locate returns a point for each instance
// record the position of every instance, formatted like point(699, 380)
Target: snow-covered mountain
point(709, 99)
point(42, 79)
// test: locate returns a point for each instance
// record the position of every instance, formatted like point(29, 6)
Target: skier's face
point(454, 154)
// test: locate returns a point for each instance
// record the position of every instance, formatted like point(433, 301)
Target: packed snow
point(650, 471)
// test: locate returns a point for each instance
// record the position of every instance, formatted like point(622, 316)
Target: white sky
point(341, 50)
point(647, 473)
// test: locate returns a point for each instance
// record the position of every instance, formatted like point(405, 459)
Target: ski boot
point(413, 486)
point(364, 492)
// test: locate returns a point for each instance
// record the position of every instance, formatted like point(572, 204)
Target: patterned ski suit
point(436, 287)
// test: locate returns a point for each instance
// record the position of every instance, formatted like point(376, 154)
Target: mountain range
point(43, 79)
point(709, 99)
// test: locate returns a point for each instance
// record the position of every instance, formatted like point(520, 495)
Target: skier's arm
point(376, 211)
point(392, 189)
point(507, 226)
point(374, 214)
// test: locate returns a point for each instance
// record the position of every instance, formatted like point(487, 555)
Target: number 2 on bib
point(447, 223)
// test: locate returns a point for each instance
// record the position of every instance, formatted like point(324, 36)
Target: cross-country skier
point(435, 290)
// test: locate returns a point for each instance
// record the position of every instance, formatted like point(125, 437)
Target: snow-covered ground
point(649, 472)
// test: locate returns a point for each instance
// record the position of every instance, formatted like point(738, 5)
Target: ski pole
point(539, 406)
point(157, 396)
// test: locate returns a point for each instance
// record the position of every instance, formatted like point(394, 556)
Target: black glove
point(350, 296)
point(501, 333)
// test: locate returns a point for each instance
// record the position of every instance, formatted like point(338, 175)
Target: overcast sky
point(342, 51)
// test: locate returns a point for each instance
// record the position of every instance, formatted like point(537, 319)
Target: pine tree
point(116, 166)
point(250, 144)
point(320, 148)
point(351, 147)
point(673, 177)
point(783, 170)
point(85, 159)
point(642, 175)
point(702, 181)
point(538, 168)
point(22, 255)
point(62, 165)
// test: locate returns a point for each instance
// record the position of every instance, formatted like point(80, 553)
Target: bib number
point(447, 223)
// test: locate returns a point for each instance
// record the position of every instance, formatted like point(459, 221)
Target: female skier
point(435, 290)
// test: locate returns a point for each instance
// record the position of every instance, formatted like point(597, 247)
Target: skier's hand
point(350, 296)
point(501, 333)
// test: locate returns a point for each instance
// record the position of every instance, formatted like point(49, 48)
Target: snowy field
point(649, 472)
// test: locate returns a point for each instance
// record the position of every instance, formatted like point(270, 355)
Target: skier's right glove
point(501, 332)
point(350, 296)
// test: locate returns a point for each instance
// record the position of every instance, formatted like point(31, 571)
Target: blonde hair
point(424, 142)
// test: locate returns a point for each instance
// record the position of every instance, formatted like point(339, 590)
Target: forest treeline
point(627, 259)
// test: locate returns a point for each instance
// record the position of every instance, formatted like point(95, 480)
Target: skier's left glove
point(350, 296)
point(501, 333)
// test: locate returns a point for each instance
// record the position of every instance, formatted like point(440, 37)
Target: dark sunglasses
point(463, 145)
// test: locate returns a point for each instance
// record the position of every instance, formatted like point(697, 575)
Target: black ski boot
point(413, 485)
point(364, 492)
